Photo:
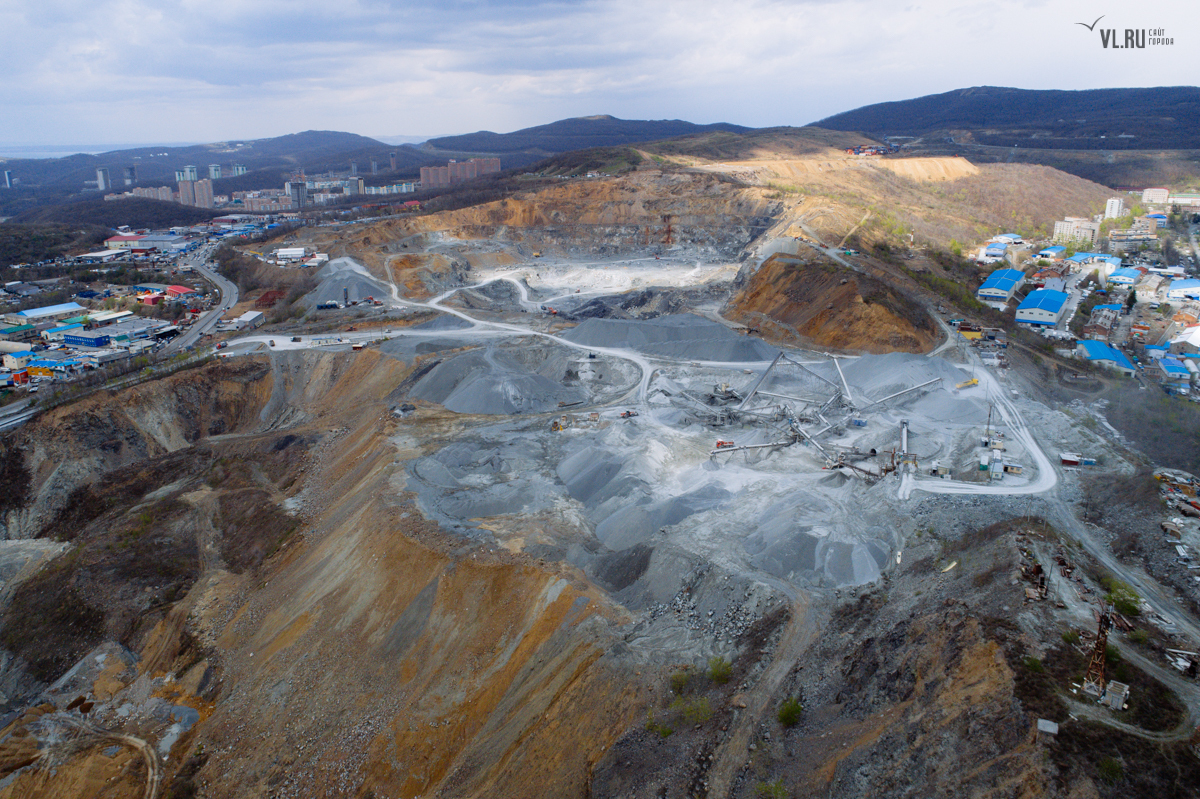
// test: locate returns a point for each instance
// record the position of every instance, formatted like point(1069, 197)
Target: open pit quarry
point(622, 491)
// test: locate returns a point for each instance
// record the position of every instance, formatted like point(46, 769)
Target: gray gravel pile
point(340, 274)
point(488, 381)
point(681, 336)
point(877, 376)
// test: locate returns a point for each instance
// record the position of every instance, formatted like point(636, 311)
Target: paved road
point(208, 320)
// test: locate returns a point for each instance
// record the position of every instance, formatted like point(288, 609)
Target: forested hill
point(574, 134)
point(1106, 119)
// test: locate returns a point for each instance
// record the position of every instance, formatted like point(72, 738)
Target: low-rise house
point(1101, 324)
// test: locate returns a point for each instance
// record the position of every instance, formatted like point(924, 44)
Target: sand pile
point(680, 336)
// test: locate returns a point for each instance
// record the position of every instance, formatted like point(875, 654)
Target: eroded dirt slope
point(829, 306)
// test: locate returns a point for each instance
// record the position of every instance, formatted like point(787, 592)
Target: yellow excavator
point(974, 381)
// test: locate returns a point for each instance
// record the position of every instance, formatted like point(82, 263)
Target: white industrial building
point(1114, 208)
point(289, 254)
point(249, 320)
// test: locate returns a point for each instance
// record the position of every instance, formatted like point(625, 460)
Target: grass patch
point(1110, 770)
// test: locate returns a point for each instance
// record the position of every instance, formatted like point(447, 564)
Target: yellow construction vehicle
point(974, 381)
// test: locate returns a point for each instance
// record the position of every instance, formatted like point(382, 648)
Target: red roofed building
point(179, 291)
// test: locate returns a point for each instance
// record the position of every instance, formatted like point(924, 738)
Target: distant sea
point(63, 150)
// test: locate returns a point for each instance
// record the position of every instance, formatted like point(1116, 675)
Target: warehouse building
point(1000, 286)
point(57, 333)
point(1125, 277)
point(51, 313)
point(1100, 353)
point(1043, 307)
point(1184, 290)
point(249, 320)
point(88, 338)
point(1174, 373)
point(992, 252)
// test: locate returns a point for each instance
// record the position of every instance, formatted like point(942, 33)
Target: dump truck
point(628, 414)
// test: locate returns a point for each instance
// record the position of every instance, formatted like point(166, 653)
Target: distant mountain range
point(1096, 119)
point(1044, 124)
point(572, 134)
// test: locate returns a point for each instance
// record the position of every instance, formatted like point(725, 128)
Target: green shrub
point(1034, 665)
point(771, 790)
point(1111, 770)
point(790, 711)
point(1112, 654)
point(1140, 637)
point(719, 669)
point(679, 681)
point(694, 711)
point(655, 726)
point(1071, 637)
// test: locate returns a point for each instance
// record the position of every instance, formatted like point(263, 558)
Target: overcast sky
point(108, 71)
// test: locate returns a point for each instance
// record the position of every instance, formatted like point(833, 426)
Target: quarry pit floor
point(597, 444)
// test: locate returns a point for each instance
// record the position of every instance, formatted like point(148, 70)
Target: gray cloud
point(213, 69)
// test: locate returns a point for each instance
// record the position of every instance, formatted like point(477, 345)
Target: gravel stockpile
point(343, 273)
point(877, 376)
point(445, 321)
point(681, 336)
point(486, 381)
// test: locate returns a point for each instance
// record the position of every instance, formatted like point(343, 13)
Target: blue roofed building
point(1174, 372)
point(992, 252)
point(57, 333)
point(48, 314)
point(1100, 353)
point(1125, 276)
point(1000, 286)
point(1188, 288)
point(1055, 253)
point(1010, 238)
point(1104, 264)
point(1043, 307)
